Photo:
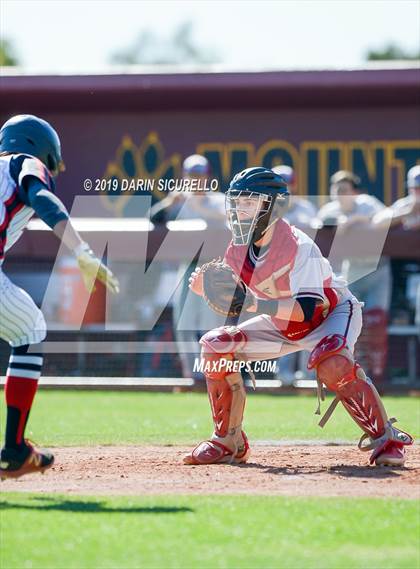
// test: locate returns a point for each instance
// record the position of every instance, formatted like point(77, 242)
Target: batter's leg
point(23, 326)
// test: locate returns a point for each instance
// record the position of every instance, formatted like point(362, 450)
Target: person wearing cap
point(192, 204)
point(406, 211)
point(191, 315)
point(301, 212)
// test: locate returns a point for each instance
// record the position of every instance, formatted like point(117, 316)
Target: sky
point(80, 36)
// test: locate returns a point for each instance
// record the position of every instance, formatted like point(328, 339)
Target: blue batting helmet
point(28, 134)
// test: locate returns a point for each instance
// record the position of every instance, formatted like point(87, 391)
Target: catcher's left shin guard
point(227, 399)
point(337, 369)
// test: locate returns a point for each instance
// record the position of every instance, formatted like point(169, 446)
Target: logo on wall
point(381, 165)
point(146, 161)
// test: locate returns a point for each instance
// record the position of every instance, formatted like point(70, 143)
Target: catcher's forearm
point(285, 309)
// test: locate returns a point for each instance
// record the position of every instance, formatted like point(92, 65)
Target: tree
point(391, 52)
point(178, 48)
point(7, 56)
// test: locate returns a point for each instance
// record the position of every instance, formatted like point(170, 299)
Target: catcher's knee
point(334, 363)
point(333, 369)
point(219, 347)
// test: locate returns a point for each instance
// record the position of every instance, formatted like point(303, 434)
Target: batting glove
point(92, 268)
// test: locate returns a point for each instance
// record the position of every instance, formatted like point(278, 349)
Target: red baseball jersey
point(291, 267)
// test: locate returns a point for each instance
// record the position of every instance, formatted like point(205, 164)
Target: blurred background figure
point(405, 213)
point(191, 315)
point(197, 204)
point(301, 213)
point(369, 280)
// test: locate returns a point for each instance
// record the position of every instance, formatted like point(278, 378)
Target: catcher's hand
point(222, 290)
point(92, 268)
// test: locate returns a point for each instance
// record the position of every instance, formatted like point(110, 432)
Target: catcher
point(276, 271)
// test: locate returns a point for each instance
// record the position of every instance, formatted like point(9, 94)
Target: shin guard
point(225, 388)
point(337, 369)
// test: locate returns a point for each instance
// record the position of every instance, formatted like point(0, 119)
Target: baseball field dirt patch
point(290, 470)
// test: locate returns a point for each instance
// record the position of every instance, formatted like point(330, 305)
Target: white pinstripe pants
point(21, 321)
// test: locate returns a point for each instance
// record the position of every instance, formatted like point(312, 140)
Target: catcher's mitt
point(222, 289)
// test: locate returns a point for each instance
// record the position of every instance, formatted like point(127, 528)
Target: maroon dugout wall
point(142, 126)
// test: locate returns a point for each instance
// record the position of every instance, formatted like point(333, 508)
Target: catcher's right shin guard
point(337, 369)
point(227, 399)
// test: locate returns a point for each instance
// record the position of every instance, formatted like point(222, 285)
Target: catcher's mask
point(256, 198)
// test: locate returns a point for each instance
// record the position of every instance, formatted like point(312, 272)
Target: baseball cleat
point(393, 454)
point(388, 449)
point(214, 452)
point(14, 464)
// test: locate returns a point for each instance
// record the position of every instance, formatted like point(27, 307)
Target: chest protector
point(270, 279)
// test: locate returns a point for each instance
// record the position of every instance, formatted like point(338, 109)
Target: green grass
point(53, 531)
point(106, 417)
point(207, 531)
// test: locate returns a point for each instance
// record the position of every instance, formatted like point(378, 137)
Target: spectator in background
point(406, 211)
point(369, 281)
point(191, 315)
point(301, 213)
point(195, 204)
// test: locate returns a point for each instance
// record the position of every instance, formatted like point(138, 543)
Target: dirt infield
point(307, 470)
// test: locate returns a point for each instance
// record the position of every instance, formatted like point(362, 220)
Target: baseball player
point(300, 305)
point(30, 160)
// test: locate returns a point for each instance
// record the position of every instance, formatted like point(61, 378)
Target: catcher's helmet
point(256, 198)
point(28, 134)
